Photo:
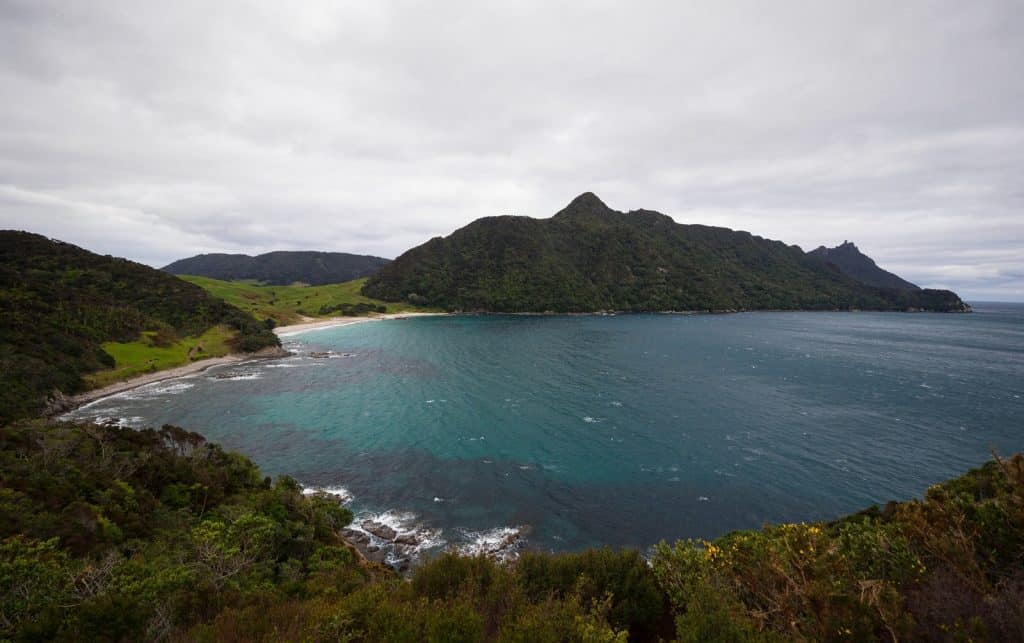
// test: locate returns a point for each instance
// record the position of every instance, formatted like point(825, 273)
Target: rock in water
point(407, 539)
point(380, 530)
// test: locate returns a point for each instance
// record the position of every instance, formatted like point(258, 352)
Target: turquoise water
point(624, 430)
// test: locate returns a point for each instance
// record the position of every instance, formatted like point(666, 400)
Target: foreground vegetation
point(59, 304)
point(122, 535)
point(589, 257)
point(289, 304)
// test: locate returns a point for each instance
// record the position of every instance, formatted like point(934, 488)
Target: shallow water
point(616, 430)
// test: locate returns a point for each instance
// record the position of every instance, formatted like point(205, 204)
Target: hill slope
point(854, 263)
point(59, 304)
point(280, 268)
point(589, 257)
point(290, 304)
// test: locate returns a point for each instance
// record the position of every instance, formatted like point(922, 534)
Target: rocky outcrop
point(271, 351)
point(380, 530)
point(381, 543)
point(57, 403)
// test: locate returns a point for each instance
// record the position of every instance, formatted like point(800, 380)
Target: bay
point(614, 430)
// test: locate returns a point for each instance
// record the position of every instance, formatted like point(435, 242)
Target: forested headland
point(59, 304)
point(588, 257)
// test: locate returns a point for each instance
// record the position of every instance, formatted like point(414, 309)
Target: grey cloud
point(159, 130)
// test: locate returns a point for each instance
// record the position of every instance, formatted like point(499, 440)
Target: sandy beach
point(193, 368)
point(149, 378)
point(312, 323)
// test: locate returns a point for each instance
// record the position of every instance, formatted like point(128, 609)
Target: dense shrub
point(947, 567)
point(352, 310)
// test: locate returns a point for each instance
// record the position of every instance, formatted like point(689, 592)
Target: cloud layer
point(160, 131)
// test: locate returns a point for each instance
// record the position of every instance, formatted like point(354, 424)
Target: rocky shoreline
point(381, 543)
point(59, 403)
point(397, 540)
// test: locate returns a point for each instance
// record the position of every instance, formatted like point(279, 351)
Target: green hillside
point(61, 305)
point(280, 268)
point(149, 353)
point(589, 257)
point(288, 304)
point(115, 534)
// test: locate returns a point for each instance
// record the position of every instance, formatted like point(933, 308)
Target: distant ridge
point(589, 257)
point(280, 268)
point(852, 262)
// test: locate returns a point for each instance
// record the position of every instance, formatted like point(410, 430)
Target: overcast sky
point(161, 130)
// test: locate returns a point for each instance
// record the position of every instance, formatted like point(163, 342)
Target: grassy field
point(283, 304)
point(288, 304)
point(146, 356)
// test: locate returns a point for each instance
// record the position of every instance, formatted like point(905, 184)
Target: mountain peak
point(854, 263)
point(586, 203)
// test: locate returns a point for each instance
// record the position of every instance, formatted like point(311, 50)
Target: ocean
point(567, 432)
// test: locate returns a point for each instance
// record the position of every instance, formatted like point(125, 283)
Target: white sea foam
point(404, 523)
point(133, 421)
point(234, 377)
point(156, 389)
point(592, 420)
point(344, 494)
point(502, 543)
point(78, 414)
point(173, 388)
point(400, 521)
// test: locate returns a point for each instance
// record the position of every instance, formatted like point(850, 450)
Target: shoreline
point(82, 399)
point(313, 323)
point(68, 404)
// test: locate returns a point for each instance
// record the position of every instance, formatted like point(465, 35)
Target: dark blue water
point(617, 430)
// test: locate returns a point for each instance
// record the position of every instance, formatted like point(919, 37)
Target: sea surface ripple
point(625, 430)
